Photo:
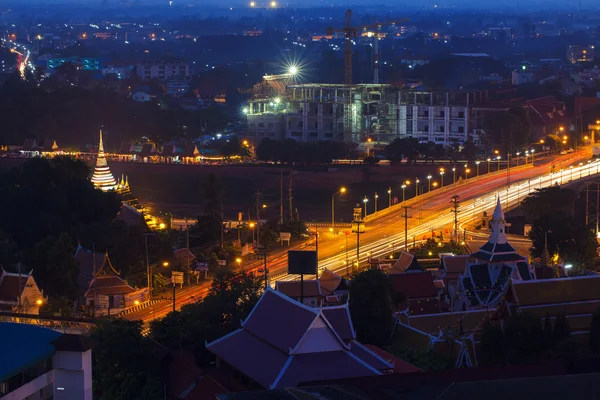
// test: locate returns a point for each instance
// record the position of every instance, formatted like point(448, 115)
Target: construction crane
point(350, 33)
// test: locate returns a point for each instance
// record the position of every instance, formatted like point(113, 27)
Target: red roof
point(9, 286)
point(400, 366)
point(414, 285)
point(312, 288)
point(108, 285)
point(548, 109)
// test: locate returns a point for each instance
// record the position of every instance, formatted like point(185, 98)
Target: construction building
point(281, 109)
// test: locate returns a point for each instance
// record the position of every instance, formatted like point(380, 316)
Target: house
point(546, 114)
point(19, 293)
point(333, 287)
point(42, 363)
point(184, 257)
point(30, 147)
point(169, 153)
point(142, 96)
point(129, 215)
point(576, 297)
point(307, 292)
point(452, 268)
point(283, 343)
point(49, 147)
point(105, 292)
point(406, 262)
point(415, 292)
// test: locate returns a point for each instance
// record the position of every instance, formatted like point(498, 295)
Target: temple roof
point(295, 343)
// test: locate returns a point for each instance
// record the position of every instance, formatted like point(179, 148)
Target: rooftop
point(23, 346)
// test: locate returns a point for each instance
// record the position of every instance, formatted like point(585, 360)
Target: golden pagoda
point(102, 178)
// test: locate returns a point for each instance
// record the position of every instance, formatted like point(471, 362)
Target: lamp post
point(477, 163)
point(252, 227)
point(499, 158)
point(453, 175)
point(376, 196)
point(389, 196)
point(518, 154)
point(488, 160)
point(532, 157)
point(369, 140)
point(467, 173)
point(365, 200)
point(403, 189)
point(442, 178)
point(429, 179)
point(417, 187)
point(342, 191)
point(392, 245)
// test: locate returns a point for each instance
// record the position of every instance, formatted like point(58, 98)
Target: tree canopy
point(371, 307)
point(292, 151)
point(551, 214)
point(229, 301)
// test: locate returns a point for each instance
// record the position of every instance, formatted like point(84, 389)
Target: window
point(316, 125)
point(314, 134)
point(461, 114)
point(442, 128)
point(300, 124)
point(461, 129)
point(261, 125)
point(270, 125)
point(426, 113)
point(296, 134)
point(442, 114)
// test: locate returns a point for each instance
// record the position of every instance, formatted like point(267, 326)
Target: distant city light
point(245, 110)
point(293, 70)
point(273, 4)
point(568, 266)
point(277, 100)
point(252, 4)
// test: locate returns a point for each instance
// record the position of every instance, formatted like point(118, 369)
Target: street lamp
point(252, 227)
point(442, 174)
point(532, 157)
point(467, 173)
point(488, 160)
point(238, 261)
point(365, 200)
point(403, 188)
point(499, 162)
point(342, 191)
point(417, 186)
point(477, 163)
point(389, 196)
point(429, 179)
point(369, 140)
point(453, 175)
point(376, 196)
point(518, 154)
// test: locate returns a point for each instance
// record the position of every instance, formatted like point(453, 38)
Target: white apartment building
point(39, 363)
point(163, 70)
point(312, 112)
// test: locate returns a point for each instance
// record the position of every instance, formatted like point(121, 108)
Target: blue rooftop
point(24, 345)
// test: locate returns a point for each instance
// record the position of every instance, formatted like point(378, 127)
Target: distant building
point(19, 293)
point(103, 35)
point(177, 86)
point(120, 72)
point(312, 112)
point(414, 61)
point(163, 70)
point(577, 53)
point(522, 76)
point(547, 114)
point(141, 96)
point(86, 64)
point(40, 363)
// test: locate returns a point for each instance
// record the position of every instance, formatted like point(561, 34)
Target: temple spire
point(498, 225)
point(102, 178)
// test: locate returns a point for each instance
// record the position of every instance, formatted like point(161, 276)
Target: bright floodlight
point(252, 4)
point(245, 110)
point(568, 266)
point(273, 4)
point(293, 70)
point(277, 100)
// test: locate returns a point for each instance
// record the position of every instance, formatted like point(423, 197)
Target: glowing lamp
point(293, 69)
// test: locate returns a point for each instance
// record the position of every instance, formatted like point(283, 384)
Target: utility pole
point(406, 217)
point(222, 220)
point(281, 196)
point(290, 197)
point(258, 194)
point(455, 205)
point(358, 227)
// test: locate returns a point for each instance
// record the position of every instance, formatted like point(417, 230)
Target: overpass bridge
point(80, 326)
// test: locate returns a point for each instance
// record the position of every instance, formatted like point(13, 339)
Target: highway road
point(429, 212)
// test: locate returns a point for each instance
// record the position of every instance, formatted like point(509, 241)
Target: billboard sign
point(302, 262)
